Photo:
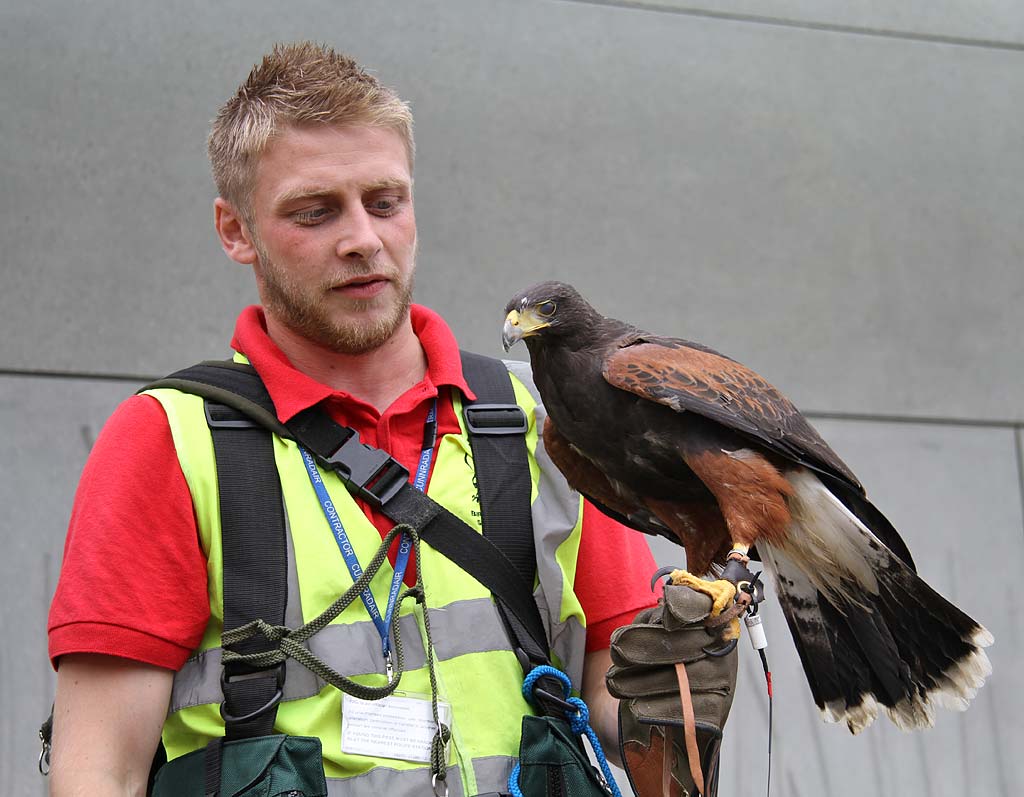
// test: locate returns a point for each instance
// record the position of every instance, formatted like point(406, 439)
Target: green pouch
point(263, 766)
point(552, 762)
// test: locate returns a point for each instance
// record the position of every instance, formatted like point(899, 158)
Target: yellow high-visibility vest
point(477, 673)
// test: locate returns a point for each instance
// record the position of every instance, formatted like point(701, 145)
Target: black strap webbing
point(255, 556)
point(374, 476)
point(496, 433)
point(497, 427)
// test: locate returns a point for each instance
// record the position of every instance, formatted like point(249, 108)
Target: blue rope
point(513, 782)
point(579, 722)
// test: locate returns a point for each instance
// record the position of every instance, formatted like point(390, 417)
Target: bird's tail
point(869, 631)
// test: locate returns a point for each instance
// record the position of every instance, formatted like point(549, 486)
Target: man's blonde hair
point(298, 85)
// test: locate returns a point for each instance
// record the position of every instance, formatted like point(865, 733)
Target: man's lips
point(362, 287)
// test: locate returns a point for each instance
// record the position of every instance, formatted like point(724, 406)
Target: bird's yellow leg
point(721, 592)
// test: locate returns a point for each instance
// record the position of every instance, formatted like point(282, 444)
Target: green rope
point(439, 744)
point(290, 645)
point(290, 642)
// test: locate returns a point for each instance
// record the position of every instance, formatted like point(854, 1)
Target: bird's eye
point(546, 309)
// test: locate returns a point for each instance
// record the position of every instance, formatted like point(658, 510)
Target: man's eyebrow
point(303, 192)
point(387, 184)
point(314, 191)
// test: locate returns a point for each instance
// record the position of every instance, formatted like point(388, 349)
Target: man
point(313, 163)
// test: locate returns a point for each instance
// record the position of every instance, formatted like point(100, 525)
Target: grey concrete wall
point(829, 192)
point(987, 23)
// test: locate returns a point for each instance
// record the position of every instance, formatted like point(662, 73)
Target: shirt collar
point(293, 391)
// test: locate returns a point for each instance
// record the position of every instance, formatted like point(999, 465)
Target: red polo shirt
point(133, 581)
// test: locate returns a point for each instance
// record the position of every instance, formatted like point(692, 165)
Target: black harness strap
point(255, 573)
point(255, 569)
point(496, 433)
point(377, 478)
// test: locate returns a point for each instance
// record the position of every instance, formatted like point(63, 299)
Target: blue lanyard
point(404, 544)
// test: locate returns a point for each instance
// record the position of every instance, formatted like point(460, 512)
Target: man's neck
point(377, 377)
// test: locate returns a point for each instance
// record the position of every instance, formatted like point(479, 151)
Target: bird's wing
point(696, 524)
point(584, 477)
point(691, 378)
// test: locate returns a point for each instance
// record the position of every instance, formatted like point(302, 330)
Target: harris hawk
point(673, 438)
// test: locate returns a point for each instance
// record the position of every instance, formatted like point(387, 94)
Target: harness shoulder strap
point(497, 429)
point(497, 434)
point(377, 478)
point(255, 549)
point(255, 568)
point(255, 559)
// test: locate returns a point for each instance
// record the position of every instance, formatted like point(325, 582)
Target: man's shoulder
point(522, 371)
point(137, 412)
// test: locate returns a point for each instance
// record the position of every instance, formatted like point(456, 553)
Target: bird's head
point(547, 309)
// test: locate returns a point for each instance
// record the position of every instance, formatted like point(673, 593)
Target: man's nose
point(359, 236)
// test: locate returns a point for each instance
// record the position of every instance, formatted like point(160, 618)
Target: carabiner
point(44, 756)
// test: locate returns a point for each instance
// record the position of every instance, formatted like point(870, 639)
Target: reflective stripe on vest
point(491, 776)
point(477, 672)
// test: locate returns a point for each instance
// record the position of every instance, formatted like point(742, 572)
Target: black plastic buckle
point(495, 419)
point(561, 702)
point(226, 680)
point(221, 416)
point(370, 473)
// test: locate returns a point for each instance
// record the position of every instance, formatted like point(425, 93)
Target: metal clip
point(755, 589)
point(441, 729)
point(435, 781)
point(226, 680)
point(44, 756)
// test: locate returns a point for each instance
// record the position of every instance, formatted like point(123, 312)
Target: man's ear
point(233, 232)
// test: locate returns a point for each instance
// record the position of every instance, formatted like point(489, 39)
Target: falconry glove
point(675, 679)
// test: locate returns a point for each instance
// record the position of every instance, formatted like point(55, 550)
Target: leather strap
point(689, 730)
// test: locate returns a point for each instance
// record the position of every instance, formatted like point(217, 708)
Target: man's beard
point(307, 311)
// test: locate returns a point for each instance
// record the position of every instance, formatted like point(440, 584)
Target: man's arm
point(604, 709)
point(108, 714)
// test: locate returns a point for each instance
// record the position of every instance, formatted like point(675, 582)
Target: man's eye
point(311, 216)
point(384, 206)
point(546, 309)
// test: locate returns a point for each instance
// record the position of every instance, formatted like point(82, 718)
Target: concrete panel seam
point(42, 373)
point(814, 415)
point(824, 27)
point(1019, 439)
point(989, 423)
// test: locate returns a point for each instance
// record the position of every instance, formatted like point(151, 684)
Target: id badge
point(398, 726)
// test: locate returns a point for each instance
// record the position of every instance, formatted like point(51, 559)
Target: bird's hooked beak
point(511, 333)
point(521, 324)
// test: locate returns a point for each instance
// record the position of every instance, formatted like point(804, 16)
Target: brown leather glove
point(652, 724)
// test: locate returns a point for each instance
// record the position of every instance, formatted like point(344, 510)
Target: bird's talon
point(663, 572)
point(722, 594)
